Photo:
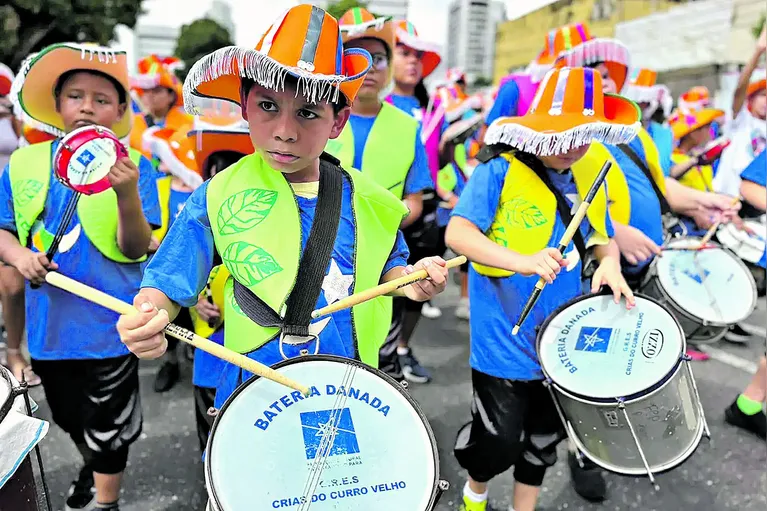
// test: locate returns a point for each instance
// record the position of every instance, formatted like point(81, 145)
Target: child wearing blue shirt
point(89, 377)
point(505, 226)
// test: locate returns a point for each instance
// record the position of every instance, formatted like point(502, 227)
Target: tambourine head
point(84, 157)
point(714, 150)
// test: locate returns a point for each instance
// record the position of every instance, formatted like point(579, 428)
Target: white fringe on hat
point(547, 144)
point(601, 49)
point(642, 94)
point(262, 69)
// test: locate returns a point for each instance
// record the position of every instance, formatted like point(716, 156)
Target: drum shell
point(668, 424)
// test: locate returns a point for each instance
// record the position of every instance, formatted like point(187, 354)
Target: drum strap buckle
point(297, 340)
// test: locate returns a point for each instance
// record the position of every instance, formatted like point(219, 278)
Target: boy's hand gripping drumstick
point(383, 289)
point(712, 230)
point(110, 302)
point(575, 224)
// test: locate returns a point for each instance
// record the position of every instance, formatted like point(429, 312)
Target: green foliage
point(757, 28)
point(27, 26)
point(482, 81)
point(197, 39)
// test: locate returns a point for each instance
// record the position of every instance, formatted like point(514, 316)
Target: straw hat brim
point(219, 76)
point(543, 134)
point(210, 141)
point(680, 128)
point(431, 58)
point(35, 97)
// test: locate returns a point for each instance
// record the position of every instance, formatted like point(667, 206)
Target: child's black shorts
point(514, 423)
point(97, 403)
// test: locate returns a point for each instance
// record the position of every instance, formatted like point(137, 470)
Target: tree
point(27, 26)
point(197, 39)
point(757, 28)
point(339, 7)
point(482, 81)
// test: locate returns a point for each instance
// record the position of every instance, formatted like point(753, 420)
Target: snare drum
point(749, 246)
point(357, 442)
point(84, 157)
point(707, 290)
point(622, 384)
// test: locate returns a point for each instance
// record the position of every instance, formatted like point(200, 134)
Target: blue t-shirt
point(190, 240)
point(443, 214)
point(418, 177)
point(505, 104)
point(497, 302)
point(756, 172)
point(207, 368)
point(61, 326)
point(177, 201)
point(645, 212)
point(664, 141)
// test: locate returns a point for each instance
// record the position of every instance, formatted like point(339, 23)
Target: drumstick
point(574, 225)
point(110, 302)
point(712, 230)
point(383, 289)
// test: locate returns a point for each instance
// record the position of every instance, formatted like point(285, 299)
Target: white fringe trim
point(598, 50)
point(416, 42)
point(547, 144)
point(642, 94)
point(262, 69)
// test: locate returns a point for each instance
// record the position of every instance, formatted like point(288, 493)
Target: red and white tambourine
point(713, 150)
point(84, 157)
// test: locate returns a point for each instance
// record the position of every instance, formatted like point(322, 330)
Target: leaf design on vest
point(498, 234)
point(521, 213)
point(25, 191)
point(244, 210)
point(248, 263)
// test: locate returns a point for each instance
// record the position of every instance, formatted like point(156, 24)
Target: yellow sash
point(700, 177)
point(216, 282)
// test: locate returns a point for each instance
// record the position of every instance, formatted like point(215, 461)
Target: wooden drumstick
point(110, 302)
point(712, 230)
point(572, 228)
point(383, 289)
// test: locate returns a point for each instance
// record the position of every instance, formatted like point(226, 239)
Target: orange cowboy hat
point(154, 71)
point(611, 52)
point(408, 36)
point(695, 98)
point(209, 139)
point(569, 111)
point(684, 123)
point(642, 87)
point(757, 84)
point(176, 151)
point(6, 79)
point(557, 41)
point(32, 89)
point(359, 23)
point(305, 42)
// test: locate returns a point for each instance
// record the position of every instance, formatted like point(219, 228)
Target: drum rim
point(653, 273)
point(631, 397)
point(66, 142)
point(211, 489)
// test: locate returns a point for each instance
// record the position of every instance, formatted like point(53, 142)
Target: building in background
point(521, 40)
point(394, 8)
point(157, 39)
point(471, 29)
point(221, 12)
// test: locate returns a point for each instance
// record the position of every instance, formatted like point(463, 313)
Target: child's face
point(288, 131)
point(375, 80)
point(565, 160)
point(700, 136)
point(408, 68)
point(757, 104)
point(158, 100)
point(608, 84)
point(87, 99)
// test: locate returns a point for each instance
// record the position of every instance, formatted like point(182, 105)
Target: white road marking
point(728, 358)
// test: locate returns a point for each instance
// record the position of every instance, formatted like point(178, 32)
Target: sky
point(253, 17)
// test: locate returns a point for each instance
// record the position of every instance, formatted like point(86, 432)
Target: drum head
point(84, 157)
point(267, 444)
point(710, 285)
point(595, 348)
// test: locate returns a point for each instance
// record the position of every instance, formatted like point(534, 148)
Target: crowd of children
point(340, 135)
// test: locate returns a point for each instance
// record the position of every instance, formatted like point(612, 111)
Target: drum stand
point(621, 405)
point(20, 491)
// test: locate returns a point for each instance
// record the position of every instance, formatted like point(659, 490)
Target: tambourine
point(459, 131)
point(713, 150)
point(84, 157)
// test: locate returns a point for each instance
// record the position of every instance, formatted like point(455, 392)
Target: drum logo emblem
point(698, 277)
point(329, 433)
point(86, 158)
point(593, 339)
point(652, 343)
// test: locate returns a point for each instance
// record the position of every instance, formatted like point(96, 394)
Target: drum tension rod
point(622, 407)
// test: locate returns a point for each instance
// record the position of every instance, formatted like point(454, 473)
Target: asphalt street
point(727, 472)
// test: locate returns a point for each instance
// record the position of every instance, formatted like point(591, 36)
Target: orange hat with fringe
point(176, 151)
point(557, 41)
point(209, 139)
point(6, 79)
point(569, 111)
point(611, 52)
point(359, 23)
point(154, 71)
point(408, 36)
point(696, 98)
point(684, 123)
point(642, 87)
point(304, 42)
point(757, 84)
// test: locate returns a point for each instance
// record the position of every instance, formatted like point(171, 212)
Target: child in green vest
point(257, 215)
point(89, 377)
point(508, 223)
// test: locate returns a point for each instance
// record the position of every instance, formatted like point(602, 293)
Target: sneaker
point(470, 505)
point(588, 481)
point(756, 424)
point(82, 494)
point(430, 311)
point(737, 334)
point(167, 377)
point(391, 368)
point(697, 356)
point(462, 310)
point(412, 370)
